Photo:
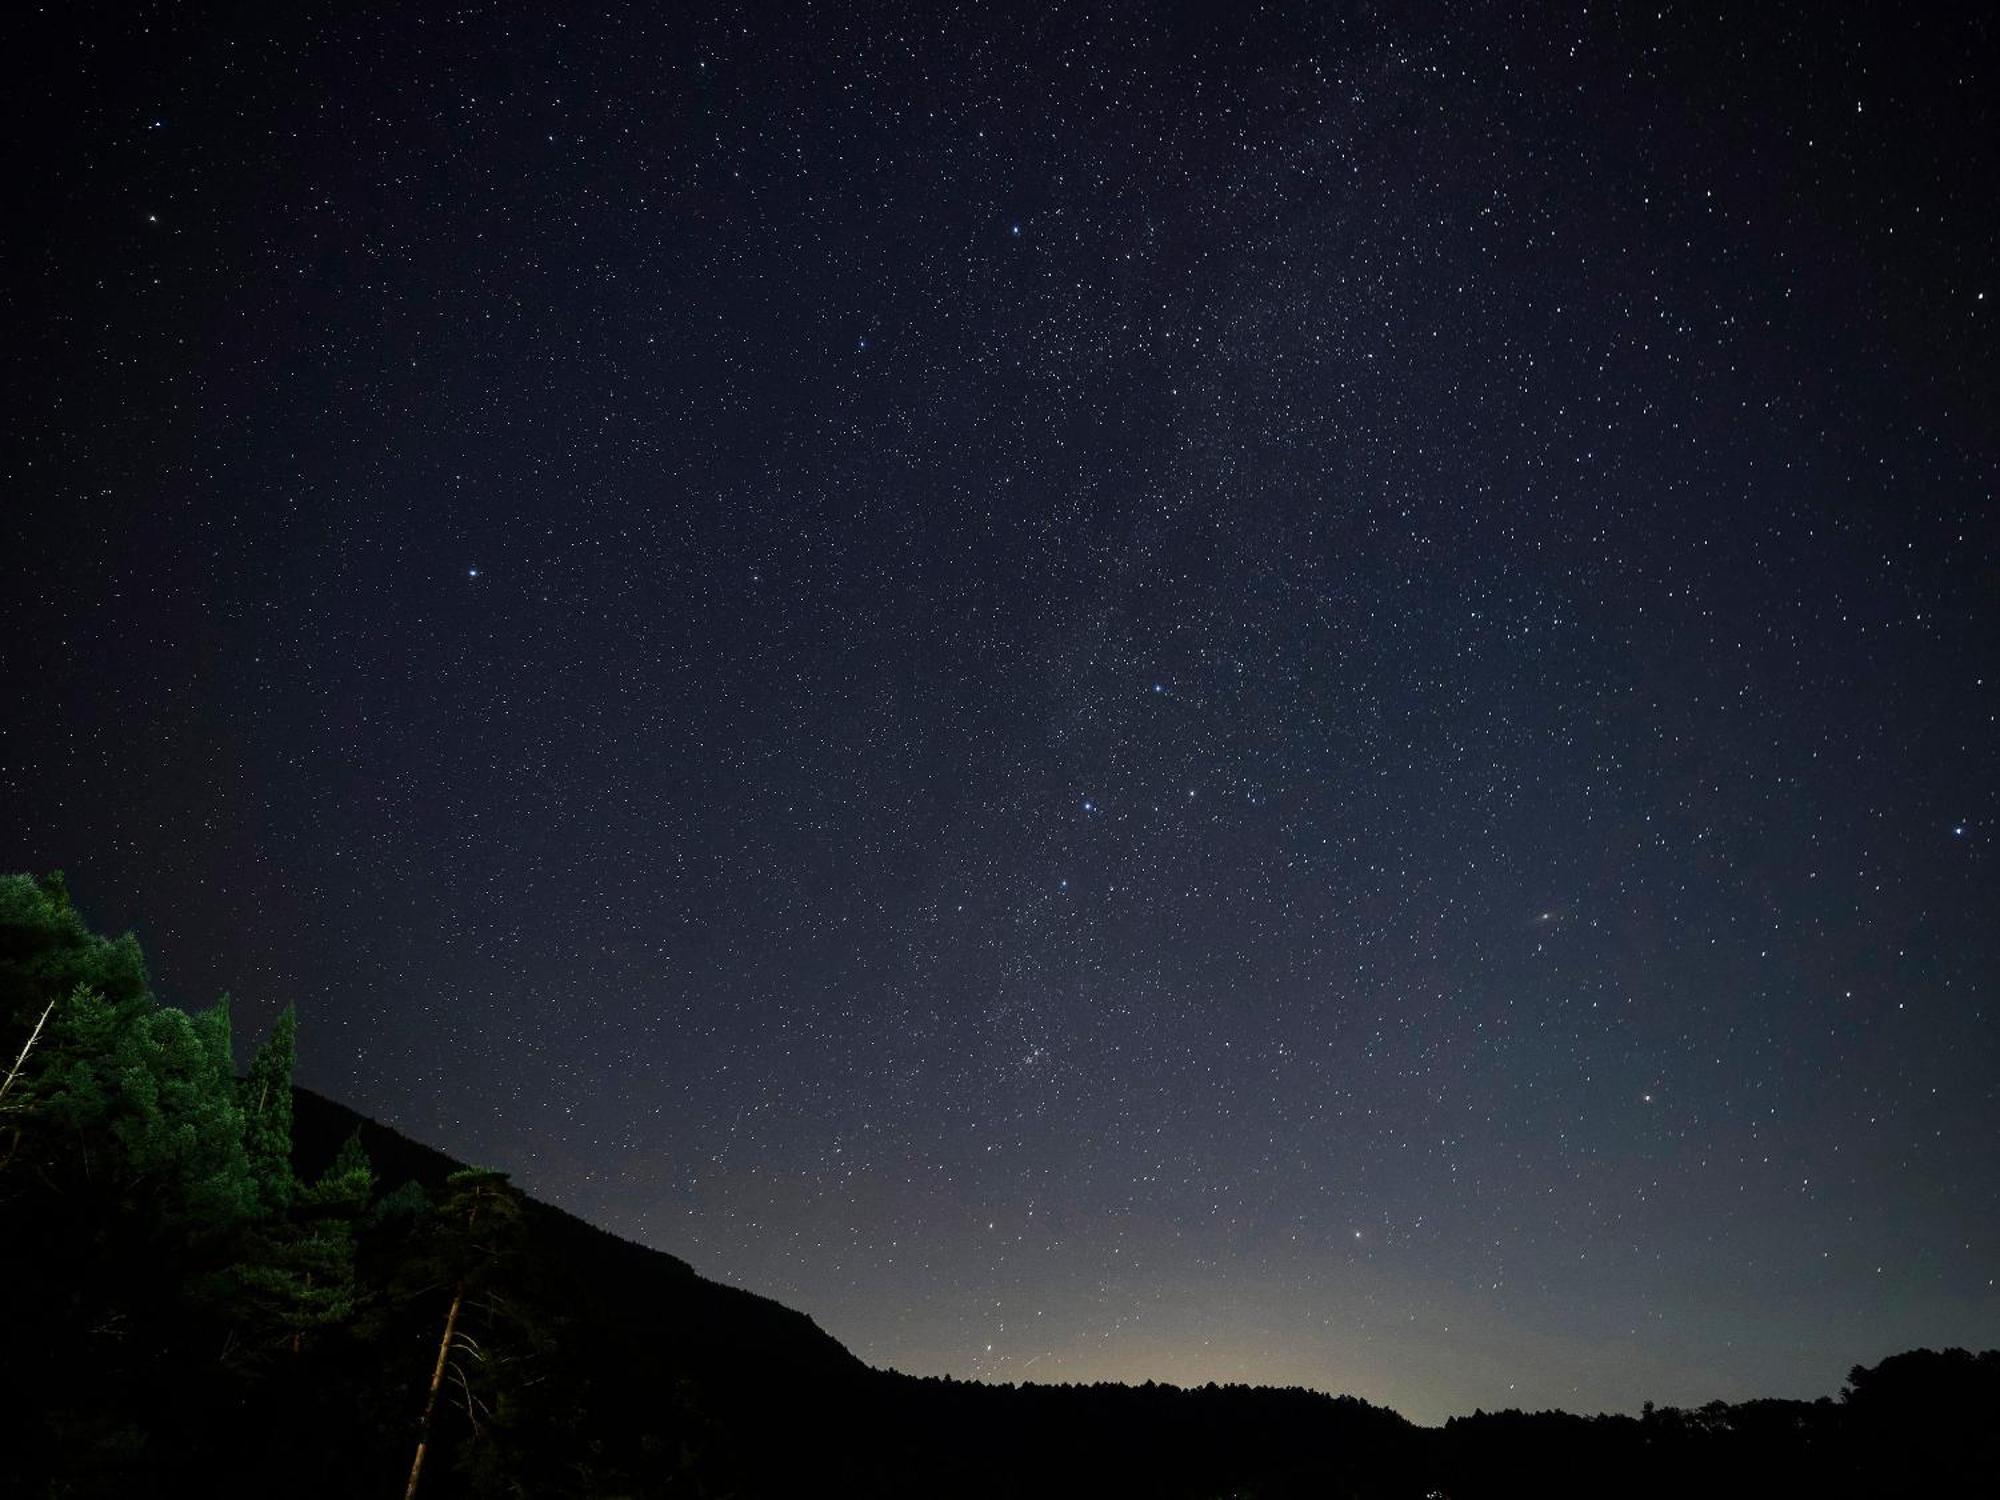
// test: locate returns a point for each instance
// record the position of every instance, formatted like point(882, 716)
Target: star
point(1209, 424)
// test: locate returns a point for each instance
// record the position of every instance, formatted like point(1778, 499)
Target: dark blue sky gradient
point(1302, 695)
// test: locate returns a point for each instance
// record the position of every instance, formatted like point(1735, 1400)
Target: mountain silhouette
point(687, 1386)
point(643, 1299)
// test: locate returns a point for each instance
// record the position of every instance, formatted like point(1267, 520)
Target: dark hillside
point(216, 1284)
point(661, 1314)
point(319, 1125)
point(753, 1390)
point(672, 1373)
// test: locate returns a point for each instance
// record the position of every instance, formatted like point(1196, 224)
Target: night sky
point(1291, 694)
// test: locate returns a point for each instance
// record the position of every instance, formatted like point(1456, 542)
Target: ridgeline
point(216, 1283)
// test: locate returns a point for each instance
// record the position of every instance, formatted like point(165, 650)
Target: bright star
point(472, 572)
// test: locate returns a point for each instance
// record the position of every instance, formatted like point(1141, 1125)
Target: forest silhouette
point(219, 1284)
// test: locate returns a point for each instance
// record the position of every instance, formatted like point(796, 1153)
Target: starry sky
point(1295, 693)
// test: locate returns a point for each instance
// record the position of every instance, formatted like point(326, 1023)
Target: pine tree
point(127, 1193)
point(264, 1094)
point(46, 951)
point(472, 1236)
point(181, 1126)
point(297, 1276)
point(143, 1097)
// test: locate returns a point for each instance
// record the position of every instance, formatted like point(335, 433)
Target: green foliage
point(144, 1097)
point(194, 1318)
point(297, 1274)
point(46, 951)
point(468, 1239)
point(476, 1220)
point(466, 1261)
point(264, 1095)
point(156, 1250)
point(131, 1109)
point(344, 1188)
point(400, 1206)
point(469, 1247)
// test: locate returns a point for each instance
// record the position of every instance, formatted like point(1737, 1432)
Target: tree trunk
point(430, 1399)
point(26, 1047)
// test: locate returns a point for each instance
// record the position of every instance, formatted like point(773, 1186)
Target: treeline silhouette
point(217, 1284)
